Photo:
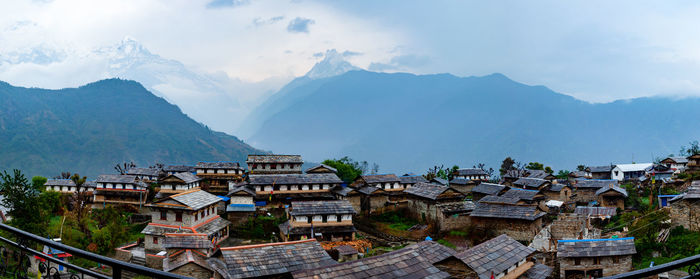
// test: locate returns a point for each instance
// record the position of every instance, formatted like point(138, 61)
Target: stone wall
point(193, 270)
point(608, 265)
point(356, 202)
point(155, 262)
point(686, 213)
point(585, 195)
point(522, 230)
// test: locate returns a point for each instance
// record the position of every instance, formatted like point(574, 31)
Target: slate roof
point(345, 250)
point(412, 179)
point(218, 165)
point(178, 168)
point(343, 191)
point(499, 199)
point(413, 261)
point(678, 160)
point(692, 193)
point(427, 190)
point(174, 262)
point(368, 190)
point(294, 179)
point(597, 169)
point(538, 271)
point(286, 228)
point(611, 188)
point(594, 183)
point(495, 255)
point(596, 247)
point(530, 182)
point(556, 187)
point(460, 181)
point(240, 188)
point(153, 229)
point(274, 258)
point(321, 207)
point(213, 226)
point(595, 211)
point(463, 172)
point(59, 182)
point(488, 188)
point(521, 194)
point(253, 159)
point(116, 178)
point(380, 178)
point(187, 177)
point(506, 211)
point(438, 180)
point(322, 166)
point(193, 199)
point(457, 207)
point(541, 174)
point(187, 241)
point(144, 171)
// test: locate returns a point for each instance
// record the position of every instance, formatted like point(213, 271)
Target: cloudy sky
point(593, 50)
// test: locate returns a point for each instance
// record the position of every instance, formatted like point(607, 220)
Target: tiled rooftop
point(294, 179)
point(495, 255)
point(595, 211)
point(412, 179)
point(144, 171)
point(429, 191)
point(463, 172)
point(187, 177)
point(488, 188)
point(530, 182)
point(191, 241)
point(194, 199)
point(521, 194)
point(506, 211)
point(321, 207)
point(594, 183)
point(596, 247)
point(252, 159)
point(218, 165)
point(380, 178)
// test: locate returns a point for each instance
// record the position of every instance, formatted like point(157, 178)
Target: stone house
point(272, 260)
point(531, 183)
point(66, 186)
point(187, 254)
point(525, 196)
point(472, 174)
point(463, 185)
point(216, 176)
point(407, 181)
point(425, 200)
point(541, 174)
point(119, 189)
point(386, 182)
point(274, 164)
point(321, 169)
point(585, 189)
point(693, 163)
point(558, 191)
point(601, 172)
point(323, 220)
point(278, 189)
point(189, 212)
point(612, 196)
point(596, 258)
point(345, 253)
point(241, 205)
point(487, 189)
point(173, 169)
point(521, 222)
point(147, 175)
point(177, 183)
point(514, 260)
point(685, 208)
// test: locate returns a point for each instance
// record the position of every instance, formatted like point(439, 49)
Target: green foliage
point(535, 166)
point(446, 243)
point(692, 149)
point(681, 243)
point(563, 174)
point(259, 227)
point(507, 165)
point(581, 168)
point(441, 172)
point(458, 233)
point(548, 169)
point(22, 202)
point(397, 220)
point(50, 201)
point(348, 169)
point(38, 182)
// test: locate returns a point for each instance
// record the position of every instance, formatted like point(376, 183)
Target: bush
point(446, 243)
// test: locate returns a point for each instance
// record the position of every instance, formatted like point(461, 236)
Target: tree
point(548, 169)
point(348, 169)
point(692, 149)
point(441, 172)
point(22, 202)
point(80, 204)
point(38, 182)
point(563, 174)
point(506, 165)
point(124, 167)
point(482, 166)
point(535, 166)
point(375, 168)
point(581, 167)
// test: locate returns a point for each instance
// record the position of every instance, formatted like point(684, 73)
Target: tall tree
point(535, 166)
point(38, 182)
point(123, 168)
point(22, 202)
point(692, 149)
point(507, 165)
point(348, 169)
point(581, 167)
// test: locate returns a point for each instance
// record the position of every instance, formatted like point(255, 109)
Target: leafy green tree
point(692, 149)
point(38, 182)
point(548, 169)
point(22, 202)
point(50, 202)
point(563, 174)
point(535, 166)
point(581, 168)
point(507, 165)
point(348, 169)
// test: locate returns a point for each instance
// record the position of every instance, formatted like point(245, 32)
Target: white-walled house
point(624, 172)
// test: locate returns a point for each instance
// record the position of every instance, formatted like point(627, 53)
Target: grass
point(446, 243)
point(395, 220)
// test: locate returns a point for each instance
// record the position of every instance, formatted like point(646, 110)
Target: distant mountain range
point(92, 128)
point(406, 122)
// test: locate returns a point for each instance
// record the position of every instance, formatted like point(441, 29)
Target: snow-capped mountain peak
point(333, 64)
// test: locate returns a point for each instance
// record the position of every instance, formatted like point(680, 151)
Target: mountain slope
point(407, 122)
point(91, 128)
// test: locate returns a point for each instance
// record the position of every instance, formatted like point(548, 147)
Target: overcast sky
point(593, 50)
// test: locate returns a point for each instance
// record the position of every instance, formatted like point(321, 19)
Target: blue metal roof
point(599, 239)
point(224, 198)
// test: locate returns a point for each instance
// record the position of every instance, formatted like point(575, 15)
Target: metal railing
point(693, 264)
point(49, 268)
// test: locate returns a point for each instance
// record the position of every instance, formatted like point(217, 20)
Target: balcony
point(18, 249)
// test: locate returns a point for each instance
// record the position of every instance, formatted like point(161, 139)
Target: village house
point(369, 199)
point(612, 196)
point(323, 220)
point(487, 189)
point(677, 164)
point(525, 196)
point(173, 169)
point(321, 169)
point(187, 254)
point(392, 189)
point(472, 174)
point(585, 189)
point(119, 189)
point(531, 183)
point(502, 257)
point(278, 189)
point(189, 212)
point(566, 226)
point(685, 208)
point(426, 202)
point(177, 183)
point(241, 205)
point(349, 194)
point(426, 259)
point(521, 222)
point(463, 185)
point(584, 258)
point(601, 172)
point(147, 175)
point(586, 173)
point(625, 172)
point(67, 186)
point(272, 260)
point(407, 181)
point(693, 163)
point(558, 191)
point(541, 174)
point(217, 175)
point(274, 164)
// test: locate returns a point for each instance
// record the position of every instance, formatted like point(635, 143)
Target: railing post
point(116, 272)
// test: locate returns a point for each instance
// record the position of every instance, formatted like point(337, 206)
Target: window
point(274, 166)
point(577, 261)
point(202, 214)
point(596, 260)
point(163, 215)
point(339, 218)
point(155, 240)
point(196, 217)
point(178, 216)
point(308, 219)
